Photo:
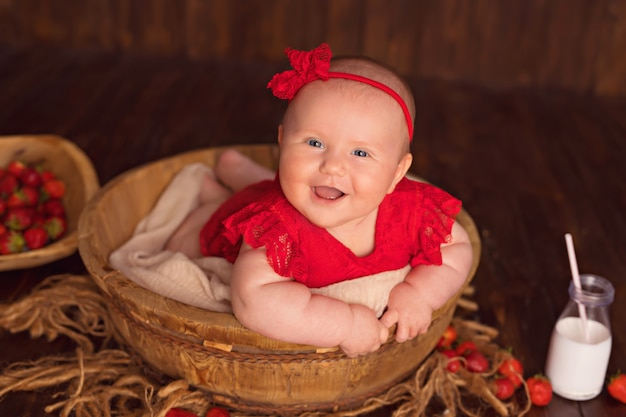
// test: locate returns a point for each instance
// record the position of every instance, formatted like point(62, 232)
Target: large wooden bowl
point(68, 162)
point(214, 351)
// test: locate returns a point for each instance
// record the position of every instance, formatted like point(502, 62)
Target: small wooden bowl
point(213, 351)
point(67, 162)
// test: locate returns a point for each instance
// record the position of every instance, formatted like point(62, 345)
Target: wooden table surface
point(529, 166)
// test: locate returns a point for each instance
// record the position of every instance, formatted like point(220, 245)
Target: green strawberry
point(11, 242)
point(55, 226)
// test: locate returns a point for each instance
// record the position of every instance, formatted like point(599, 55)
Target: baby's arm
point(428, 287)
point(286, 310)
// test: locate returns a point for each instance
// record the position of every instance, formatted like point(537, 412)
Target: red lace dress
point(412, 223)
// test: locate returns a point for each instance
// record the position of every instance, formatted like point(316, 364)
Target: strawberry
point(23, 197)
point(31, 211)
point(47, 176)
point(19, 218)
point(179, 412)
point(453, 360)
point(217, 412)
point(54, 188)
point(11, 242)
point(447, 338)
point(539, 389)
point(476, 362)
point(53, 208)
point(513, 370)
point(55, 226)
point(30, 177)
point(465, 347)
point(8, 184)
point(502, 387)
point(35, 237)
point(16, 167)
point(617, 387)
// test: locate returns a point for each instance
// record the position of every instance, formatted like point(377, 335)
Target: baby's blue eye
point(315, 143)
point(359, 152)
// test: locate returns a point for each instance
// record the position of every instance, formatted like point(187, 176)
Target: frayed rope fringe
point(103, 384)
point(107, 382)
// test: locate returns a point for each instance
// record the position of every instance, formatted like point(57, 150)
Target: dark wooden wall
point(570, 44)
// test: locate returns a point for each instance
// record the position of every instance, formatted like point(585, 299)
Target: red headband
point(314, 65)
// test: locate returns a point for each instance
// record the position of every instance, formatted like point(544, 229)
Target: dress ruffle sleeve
point(263, 227)
point(261, 217)
point(438, 211)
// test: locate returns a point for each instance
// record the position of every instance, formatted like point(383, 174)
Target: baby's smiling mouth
point(328, 193)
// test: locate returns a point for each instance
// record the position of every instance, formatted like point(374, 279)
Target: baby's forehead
point(373, 70)
point(339, 94)
point(369, 69)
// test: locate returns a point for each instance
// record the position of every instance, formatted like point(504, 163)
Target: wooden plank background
point(575, 45)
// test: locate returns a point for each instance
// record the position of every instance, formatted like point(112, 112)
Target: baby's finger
point(402, 334)
point(389, 318)
point(384, 334)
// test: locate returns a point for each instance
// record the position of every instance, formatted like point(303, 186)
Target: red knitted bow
point(314, 65)
point(307, 66)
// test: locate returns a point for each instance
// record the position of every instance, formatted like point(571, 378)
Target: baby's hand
point(367, 334)
point(412, 313)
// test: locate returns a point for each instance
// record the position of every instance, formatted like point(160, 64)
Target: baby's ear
point(401, 170)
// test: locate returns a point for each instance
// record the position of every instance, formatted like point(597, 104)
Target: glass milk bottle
point(579, 349)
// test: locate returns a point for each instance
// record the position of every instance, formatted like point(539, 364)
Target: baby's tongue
point(328, 193)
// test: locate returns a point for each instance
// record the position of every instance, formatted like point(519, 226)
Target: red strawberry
point(55, 226)
point(23, 197)
point(502, 387)
point(53, 208)
point(179, 412)
point(465, 347)
point(19, 218)
point(3, 229)
point(540, 390)
point(16, 167)
point(54, 188)
point(35, 237)
point(11, 242)
point(476, 362)
point(47, 176)
point(15, 200)
point(453, 360)
point(217, 412)
point(447, 338)
point(513, 370)
point(3, 206)
point(8, 184)
point(30, 177)
point(617, 387)
point(38, 219)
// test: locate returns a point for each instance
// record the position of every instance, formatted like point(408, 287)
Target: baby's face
point(342, 151)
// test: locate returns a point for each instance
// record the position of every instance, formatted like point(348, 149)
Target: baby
point(339, 208)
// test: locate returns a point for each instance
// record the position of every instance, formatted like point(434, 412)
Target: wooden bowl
point(213, 351)
point(67, 162)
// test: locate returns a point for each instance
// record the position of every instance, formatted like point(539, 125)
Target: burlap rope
point(99, 381)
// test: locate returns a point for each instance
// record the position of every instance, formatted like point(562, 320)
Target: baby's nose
point(333, 165)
